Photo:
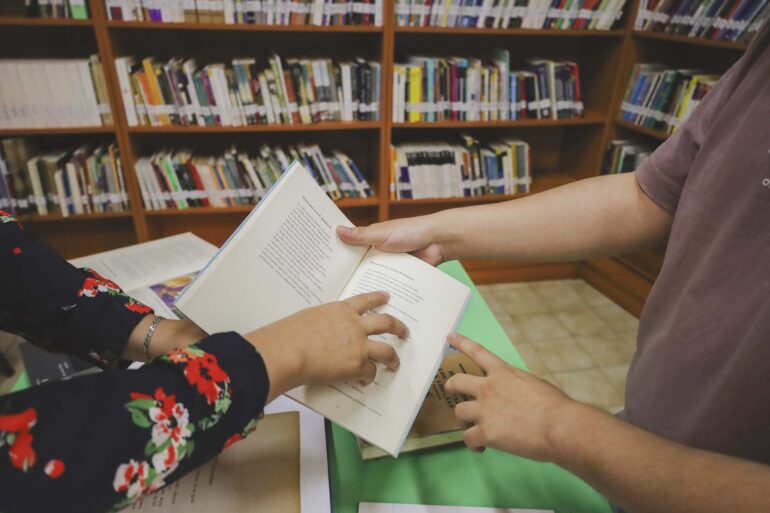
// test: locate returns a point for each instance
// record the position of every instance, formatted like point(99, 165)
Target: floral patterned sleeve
point(97, 443)
point(57, 306)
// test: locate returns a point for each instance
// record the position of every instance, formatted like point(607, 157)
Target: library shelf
point(21, 21)
point(57, 131)
point(508, 32)
point(589, 118)
point(275, 127)
point(699, 41)
point(248, 27)
point(650, 132)
point(539, 184)
point(245, 209)
point(94, 216)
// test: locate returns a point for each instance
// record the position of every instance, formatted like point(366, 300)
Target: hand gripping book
point(436, 424)
point(285, 257)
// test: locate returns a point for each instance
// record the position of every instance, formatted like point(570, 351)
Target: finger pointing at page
point(369, 301)
point(384, 323)
point(383, 353)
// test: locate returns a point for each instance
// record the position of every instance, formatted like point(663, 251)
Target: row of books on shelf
point(625, 155)
point(466, 168)
point(53, 93)
point(433, 89)
point(662, 98)
point(265, 12)
point(79, 180)
point(68, 9)
point(527, 14)
point(290, 91)
point(182, 179)
point(720, 20)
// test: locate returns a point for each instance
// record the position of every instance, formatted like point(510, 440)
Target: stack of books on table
point(81, 180)
point(72, 9)
point(625, 155)
point(433, 89)
point(287, 91)
point(38, 93)
point(182, 179)
point(263, 12)
point(528, 14)
point(470, 168)
point(662, 98)
point(718, 20)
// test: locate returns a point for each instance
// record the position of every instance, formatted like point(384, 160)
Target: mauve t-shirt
point(701, 373)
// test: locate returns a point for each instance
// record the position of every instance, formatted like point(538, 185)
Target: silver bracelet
point(148, 337)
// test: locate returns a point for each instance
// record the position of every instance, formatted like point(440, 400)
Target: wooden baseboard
point(501, 271)
point(619, 282)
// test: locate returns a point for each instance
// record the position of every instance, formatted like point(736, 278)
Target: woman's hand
point(512, 410)
point(327, 344)
point(416, 235)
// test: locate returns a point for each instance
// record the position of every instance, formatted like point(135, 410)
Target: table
point(457, 476)
point(453, 476)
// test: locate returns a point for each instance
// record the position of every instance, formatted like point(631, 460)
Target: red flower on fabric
point(18, 422)
point(22, 454)
point(97, 283)
point(204, 372)
point(131, 477)
point(171, 420)
point(230, 441)
point(17, 250)
point(54, 468)
point(178, 356)
point(137, 307)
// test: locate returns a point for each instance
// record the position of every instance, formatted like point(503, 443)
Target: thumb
point(356, 236)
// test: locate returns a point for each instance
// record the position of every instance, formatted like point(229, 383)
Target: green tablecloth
point(453, 476)
point(457, 476)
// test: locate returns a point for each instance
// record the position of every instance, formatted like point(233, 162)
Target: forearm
point(644, 473)
point(599, 216)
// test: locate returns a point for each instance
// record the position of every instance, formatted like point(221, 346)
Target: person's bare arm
point(599, 216)
point(516, 412)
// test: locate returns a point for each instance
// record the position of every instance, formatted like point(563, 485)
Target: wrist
point(566, 438)
point(284, 368)
point(444, 231)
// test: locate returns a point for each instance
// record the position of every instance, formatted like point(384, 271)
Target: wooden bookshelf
point(20, 21)
point(213, 27)
point(698, 41)
point(270, 128)
point(23, 132)
point(509, 32)
point(564, 150)
point(590, 118)
point(650, 132)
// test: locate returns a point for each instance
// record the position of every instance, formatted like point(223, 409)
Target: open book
point(285, 257)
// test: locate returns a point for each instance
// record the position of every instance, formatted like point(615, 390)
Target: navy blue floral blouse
point(99, 442)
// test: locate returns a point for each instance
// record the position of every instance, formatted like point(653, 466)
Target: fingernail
point(452, 336)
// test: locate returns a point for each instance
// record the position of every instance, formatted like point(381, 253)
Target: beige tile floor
point(566, 331)
point(569, 334)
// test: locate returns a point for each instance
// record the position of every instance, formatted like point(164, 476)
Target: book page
point(142, 265)
point(259, 473)
point(285, 257)
point(430, 303)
